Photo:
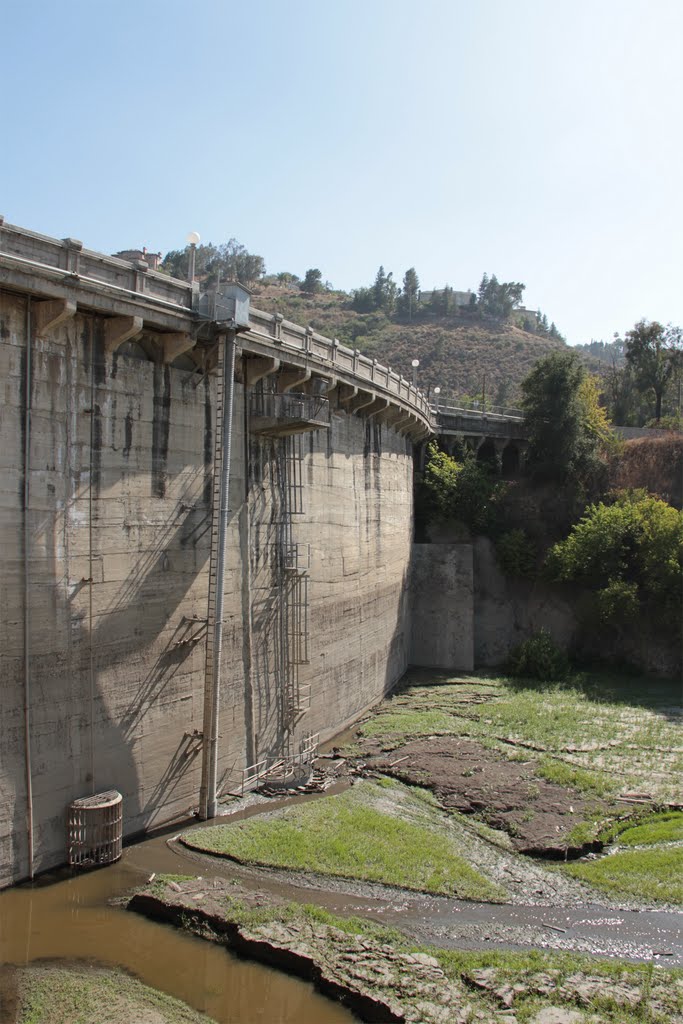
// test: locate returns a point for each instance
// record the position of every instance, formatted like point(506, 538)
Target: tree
point(498, 298)
point(311, 283)
point(655, 354)
point(562, 442)
point(228, 261)
point(384, 291)
point(462, 490)
point(363, 300)
point(407, 303)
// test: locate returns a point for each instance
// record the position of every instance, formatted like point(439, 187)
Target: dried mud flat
point(466, 776)
point(381, 980)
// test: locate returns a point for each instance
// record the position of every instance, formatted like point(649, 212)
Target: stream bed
point(69, 918)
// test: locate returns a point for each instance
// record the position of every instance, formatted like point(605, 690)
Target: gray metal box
point(229, 302)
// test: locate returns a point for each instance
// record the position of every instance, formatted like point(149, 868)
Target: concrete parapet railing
point(64, 266)
point(66, 259)
point(286, 335)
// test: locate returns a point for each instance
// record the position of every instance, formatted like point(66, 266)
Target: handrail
point(498, 411)
point(69, 260)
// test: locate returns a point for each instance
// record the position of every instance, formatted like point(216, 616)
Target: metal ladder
point(215, 521)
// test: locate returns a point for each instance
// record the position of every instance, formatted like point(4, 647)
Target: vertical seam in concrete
point(245, 552)
point(27, 607)
point(91, 668)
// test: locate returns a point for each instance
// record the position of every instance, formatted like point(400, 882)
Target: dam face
point(107, 521)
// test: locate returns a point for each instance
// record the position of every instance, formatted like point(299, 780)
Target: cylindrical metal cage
point(95, 829)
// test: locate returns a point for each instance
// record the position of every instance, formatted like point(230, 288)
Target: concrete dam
point(206, 532)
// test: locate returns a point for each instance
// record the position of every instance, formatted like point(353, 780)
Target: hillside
point(462, 353)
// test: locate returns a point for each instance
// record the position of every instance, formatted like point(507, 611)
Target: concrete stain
point(128, 434)
point(160, 428)
point(96, 452)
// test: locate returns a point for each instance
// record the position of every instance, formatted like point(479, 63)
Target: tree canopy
point(565, 423)
point(654, 354)
point(312, 281)
point(629, 551)
point(228, 261)
point(498, 298)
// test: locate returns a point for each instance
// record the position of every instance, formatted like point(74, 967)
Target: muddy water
point(71, 919)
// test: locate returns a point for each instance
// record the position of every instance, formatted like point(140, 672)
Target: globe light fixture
point(437, 392)
point(193, 239)
point(415, 363)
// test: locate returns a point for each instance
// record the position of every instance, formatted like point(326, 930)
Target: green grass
point(407, 723)
point(666, 827)
point(649, 875)
point(50, 994)
point(528, 969)
point(614, 732)
point(396, 836)
point(593, 783)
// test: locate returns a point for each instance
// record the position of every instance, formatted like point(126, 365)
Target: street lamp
point(415, 363)
point(437, 392)
point(193, 239)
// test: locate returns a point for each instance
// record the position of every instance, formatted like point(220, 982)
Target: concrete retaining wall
point(118, 529)
point(441, 595)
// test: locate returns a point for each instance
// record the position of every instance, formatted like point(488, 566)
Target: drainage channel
point(70, 919)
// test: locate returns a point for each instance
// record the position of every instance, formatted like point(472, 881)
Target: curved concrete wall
point(118, 529)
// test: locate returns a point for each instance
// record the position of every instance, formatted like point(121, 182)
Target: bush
point(618, 602)
point(539, 657)
point(516, 555)
point(464, 490)
point(630, 553)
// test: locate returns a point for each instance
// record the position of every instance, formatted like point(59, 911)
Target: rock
point(506, 994)
point(427, 961)
point(557, 1015)
point(485, 977)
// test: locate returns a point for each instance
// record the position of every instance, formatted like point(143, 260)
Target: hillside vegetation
point(463, 353)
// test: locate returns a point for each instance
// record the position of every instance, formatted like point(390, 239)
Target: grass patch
point(407, 723)
point(161, 881)
point(649, 875)
point(51, 994)
point(666, 827)
point(593, 783)
point(619, 732)
point(395, 835)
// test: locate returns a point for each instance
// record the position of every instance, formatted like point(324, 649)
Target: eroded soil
point(382, 977)
point(507, 795)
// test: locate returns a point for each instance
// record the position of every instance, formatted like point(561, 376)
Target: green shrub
point(539, 657)
point(462, 490)
point(617, 602)
point(630, 552)
point(515, 553)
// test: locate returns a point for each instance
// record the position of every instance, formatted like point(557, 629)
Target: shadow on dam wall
point(101, 675)
point(104, 652)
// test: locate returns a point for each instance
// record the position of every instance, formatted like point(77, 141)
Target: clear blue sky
point(536, 139)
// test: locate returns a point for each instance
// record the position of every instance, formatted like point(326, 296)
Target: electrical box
point(230, 301)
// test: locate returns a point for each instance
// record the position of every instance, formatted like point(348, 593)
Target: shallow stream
point(70, 918)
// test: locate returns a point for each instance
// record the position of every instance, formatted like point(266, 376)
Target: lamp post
point(193, 240)
point(415, 363)
point(437, 392)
